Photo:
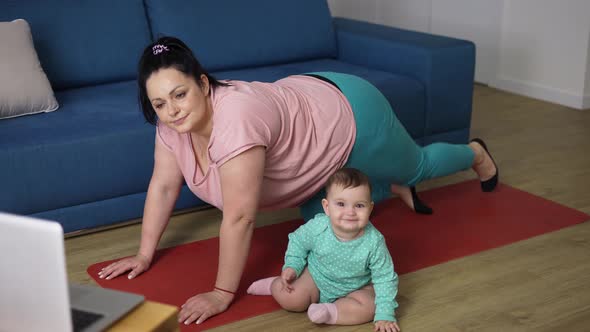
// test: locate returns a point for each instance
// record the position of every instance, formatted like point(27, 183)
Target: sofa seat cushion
point(230, 34)
point(406, 95)
point(98, 146)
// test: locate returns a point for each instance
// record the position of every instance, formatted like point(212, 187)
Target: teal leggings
point(384, 150)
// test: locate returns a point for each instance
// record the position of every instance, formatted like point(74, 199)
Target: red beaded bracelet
point(225, 290)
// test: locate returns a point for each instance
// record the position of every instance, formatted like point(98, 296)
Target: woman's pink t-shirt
point(305, 124)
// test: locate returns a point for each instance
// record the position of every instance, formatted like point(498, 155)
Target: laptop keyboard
point(83, 319)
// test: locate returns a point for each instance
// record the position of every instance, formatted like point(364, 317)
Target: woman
point(244, 146)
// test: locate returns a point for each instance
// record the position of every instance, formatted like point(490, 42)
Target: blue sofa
point(89, 163)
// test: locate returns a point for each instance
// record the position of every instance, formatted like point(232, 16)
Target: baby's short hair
point(348, 178)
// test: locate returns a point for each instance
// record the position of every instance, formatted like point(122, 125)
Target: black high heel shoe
point(490, 184)
point(419, 207)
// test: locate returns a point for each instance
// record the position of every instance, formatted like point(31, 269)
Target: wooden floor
point(540, 284)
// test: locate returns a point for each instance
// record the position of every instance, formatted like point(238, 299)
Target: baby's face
point(349, 210)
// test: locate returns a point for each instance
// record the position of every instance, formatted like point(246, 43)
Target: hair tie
point(158, 48)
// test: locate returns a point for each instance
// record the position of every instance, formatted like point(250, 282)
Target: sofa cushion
point(84, 42)
point(24, 88)
point(228, 34)
point(110, 211)
point(406, 95)
point(97, 146)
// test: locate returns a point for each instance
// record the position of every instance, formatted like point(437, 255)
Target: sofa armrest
point(445, 66)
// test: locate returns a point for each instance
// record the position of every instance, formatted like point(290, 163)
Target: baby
point(337, 266)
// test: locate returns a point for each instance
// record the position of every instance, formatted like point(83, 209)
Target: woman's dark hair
point(167, 52)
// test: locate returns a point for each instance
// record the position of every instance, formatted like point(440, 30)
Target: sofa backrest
point(230, 34)
point(84, 42)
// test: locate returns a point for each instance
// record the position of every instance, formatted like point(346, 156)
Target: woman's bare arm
point(162, 194)
point(241, 185)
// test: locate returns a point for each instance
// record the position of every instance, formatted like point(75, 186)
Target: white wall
point(363, 10)
point(475, 20)
point(587, 85)
point(539, 48)
point(411, 15)
point(544, 50)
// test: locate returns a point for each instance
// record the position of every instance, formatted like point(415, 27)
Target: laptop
point(34, 291)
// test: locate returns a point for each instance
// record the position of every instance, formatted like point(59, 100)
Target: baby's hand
point(287, 277)
point(386, 326)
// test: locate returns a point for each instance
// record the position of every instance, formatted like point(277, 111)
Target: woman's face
point(179, 101)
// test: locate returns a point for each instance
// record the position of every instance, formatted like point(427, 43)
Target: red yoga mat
point(465, 221)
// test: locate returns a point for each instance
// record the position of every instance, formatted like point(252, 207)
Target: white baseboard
point(538, 91)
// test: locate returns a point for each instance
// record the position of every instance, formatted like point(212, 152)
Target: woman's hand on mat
point(287, 277)
point(137, 264)
point(202, 306)
point(386, 326)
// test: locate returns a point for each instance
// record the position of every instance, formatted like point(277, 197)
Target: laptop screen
point(33, 279)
